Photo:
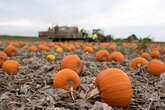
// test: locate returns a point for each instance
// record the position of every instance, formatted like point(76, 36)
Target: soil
point(32, 88)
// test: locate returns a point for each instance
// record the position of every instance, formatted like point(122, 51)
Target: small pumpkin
point(102, 55)
point(138, 61)
point(145, 55)
point(66, 78)
point(11, 67)
point(43, 47)
point(3, 58)
point(163, 51)
point(59, 50)
point(112, 46)
point(73, 62)
point(51, 58)
point(10, 50)
point(155, 67)
point(88, 49)
point(116, 56)
point(32, 49)
point(115, 87)
point(155, 54)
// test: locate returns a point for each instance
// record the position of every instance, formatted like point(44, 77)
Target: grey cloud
point(84, 13)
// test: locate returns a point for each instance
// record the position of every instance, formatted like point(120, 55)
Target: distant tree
point(144, 42)
point(147, 39)
point(132, 37)
point(109, 37)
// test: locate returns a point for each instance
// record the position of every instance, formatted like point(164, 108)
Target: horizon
point(118, 18)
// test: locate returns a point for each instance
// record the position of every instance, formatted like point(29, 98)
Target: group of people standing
point(89, 37)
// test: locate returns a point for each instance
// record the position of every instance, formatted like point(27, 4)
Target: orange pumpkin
point(145, 55)
point(10, 50)
point(155, 54)
point(3, 58)
point(116, 56)
point(32, 49)
point(163, 51)
point(102, 55)
point(104, 44)
point(11, 67)
point(88, 49)
point(72, 62)
point(115, 87)
point(112, 46)
point(43, 47)
point(64, 77)
point(156, 67)
point(138, 61)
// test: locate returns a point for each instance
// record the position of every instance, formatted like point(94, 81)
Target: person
point(84, 33)
point(92, 37)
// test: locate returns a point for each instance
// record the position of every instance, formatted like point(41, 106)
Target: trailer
point(62, 33)
point(66, 33)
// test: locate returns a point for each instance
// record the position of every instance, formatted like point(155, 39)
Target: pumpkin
point(59, 50)
point(32, 49)
point(155, 67)
point(51, 58)
point(112, 46)
point(102, 55)
point(51, 44)
point(155, 54)
point(138, 61)
point(145, 55)
point(11, 67)
point(72, 62)
point(69, 47)
point(43, 47)
point(88, 49)
point(104, 44)
point(66, 78)
point(3, 58)
point(163, 51)
point(10, 50)
point(115, 87)
point(116, 56)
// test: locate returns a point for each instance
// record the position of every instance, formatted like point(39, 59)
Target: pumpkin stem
point(140, 69)
point(91, 93)
point(72, 94)
point(71, 90)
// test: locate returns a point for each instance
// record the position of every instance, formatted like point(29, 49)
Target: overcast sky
point(117, 17)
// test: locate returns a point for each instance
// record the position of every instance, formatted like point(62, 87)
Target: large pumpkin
point(138, 61)
point(115, 87)
point(102, 55)
point(11, 50)
point(11, 67)
point(3, 58)
point(72, 62)
point(66, 78)
point(156, 67)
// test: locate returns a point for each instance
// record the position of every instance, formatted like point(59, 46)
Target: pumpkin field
point(44, 75)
